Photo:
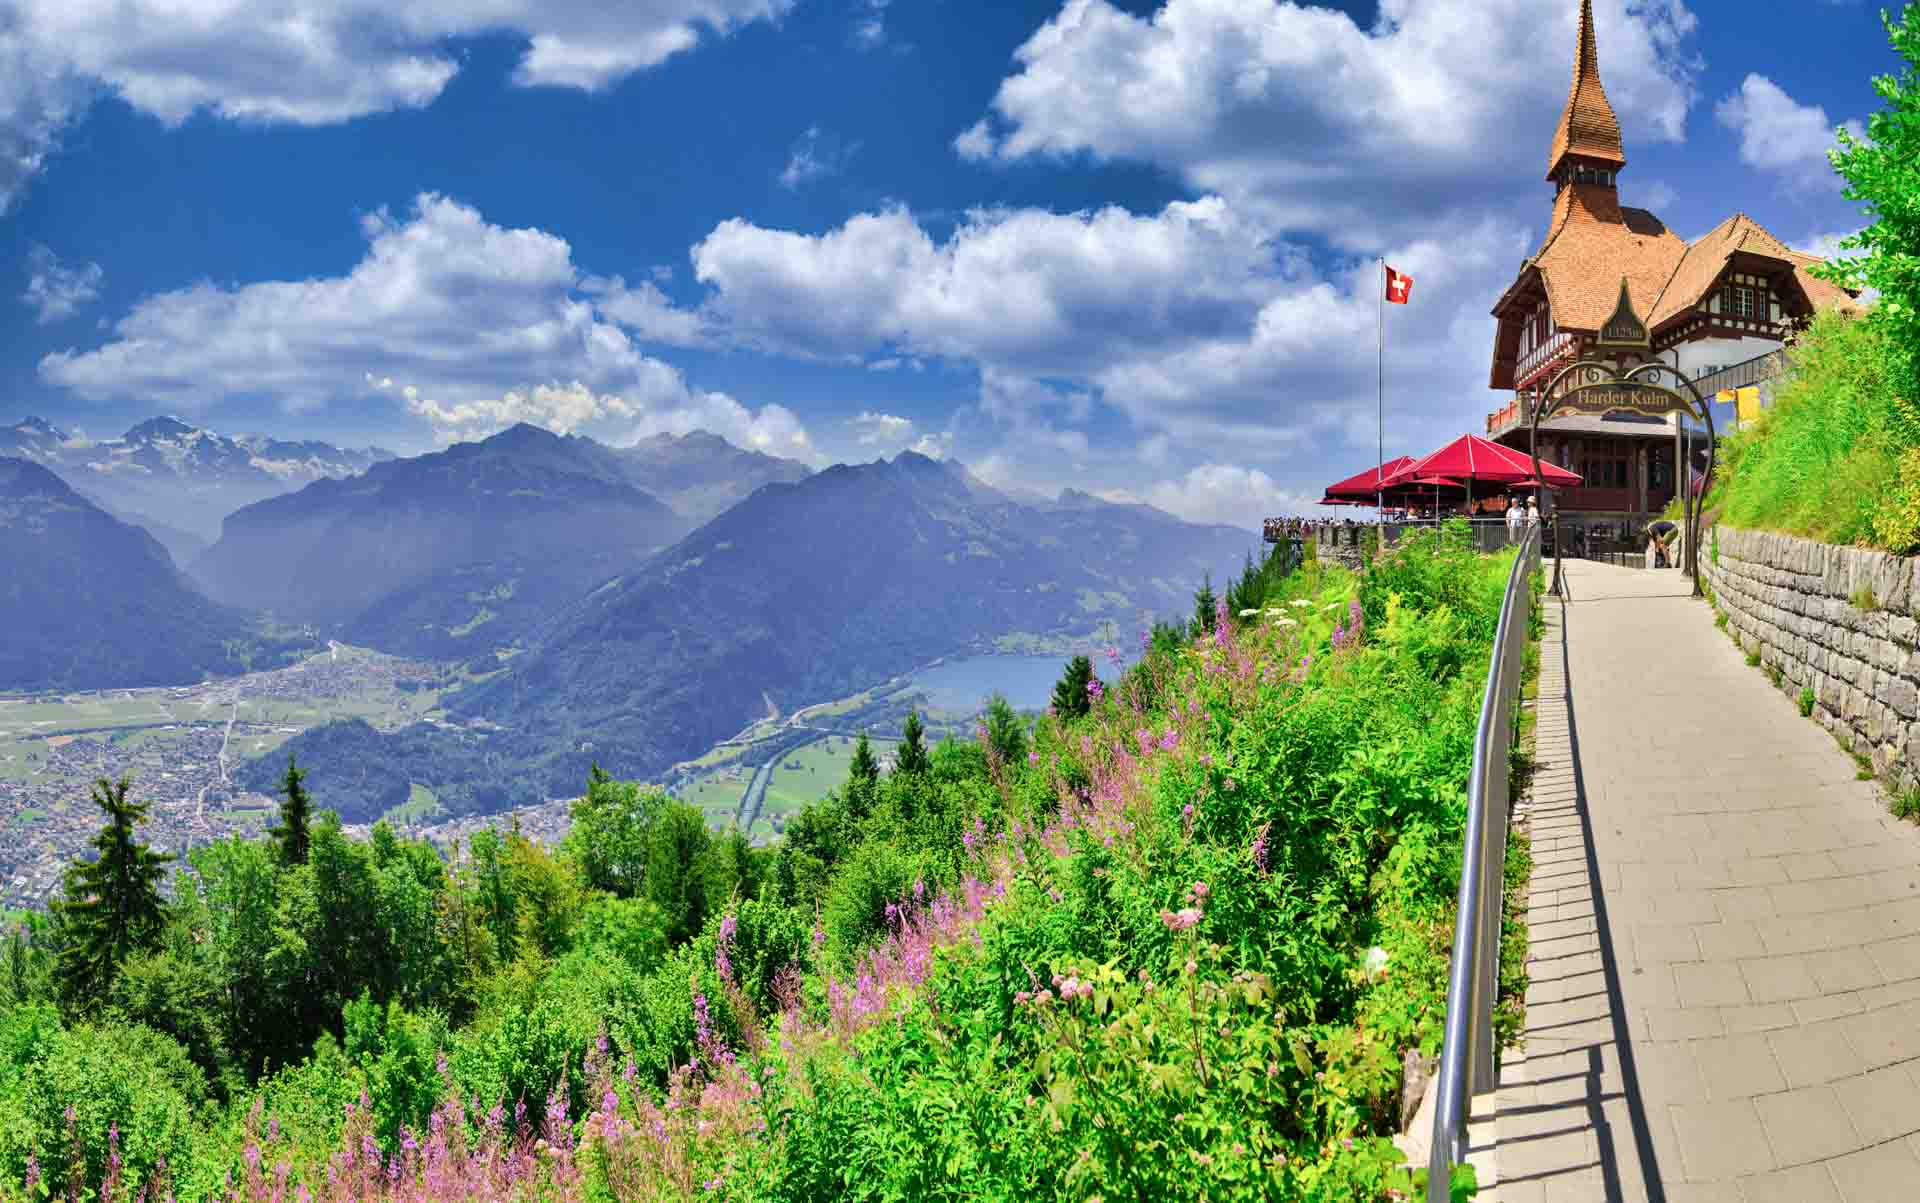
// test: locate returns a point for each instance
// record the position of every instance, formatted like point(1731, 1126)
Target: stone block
point(1903, 696)
point(1903, 630)
point(1892, 581)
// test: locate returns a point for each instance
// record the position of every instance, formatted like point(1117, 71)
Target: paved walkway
point(1733, 1016)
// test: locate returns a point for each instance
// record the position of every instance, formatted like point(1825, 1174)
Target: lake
point(964, 684)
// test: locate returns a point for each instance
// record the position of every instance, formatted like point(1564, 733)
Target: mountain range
point(453, 554)
point(88, 601)
point(180, 480)
point(801, 593)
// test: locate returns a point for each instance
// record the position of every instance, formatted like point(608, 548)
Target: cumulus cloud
point(472, 325)
point(55, 289)
point(1191, 321)
point(872, 429)
point(1780, 135)
point(1826, 245)
point(1220, 493)
point(308, 62)
point(1357, 134)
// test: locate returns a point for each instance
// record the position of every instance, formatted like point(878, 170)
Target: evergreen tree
point(296, 811)
point(111, 907)
point(912, 756)
point(863, 776)
point(1070, 698)
point(1204, 605)
point(1005, 731)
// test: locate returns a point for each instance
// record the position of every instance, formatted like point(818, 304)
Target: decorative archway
point(1595, 387)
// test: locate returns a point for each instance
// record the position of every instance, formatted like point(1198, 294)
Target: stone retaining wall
point(1794, 601)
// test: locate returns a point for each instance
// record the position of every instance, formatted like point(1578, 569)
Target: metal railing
point(1742, 374)
point(1466, 1059)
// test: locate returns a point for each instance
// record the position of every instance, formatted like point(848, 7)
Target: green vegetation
point(1863, 599)
point(1186, 938)
point(1907, 805)
point(1806, 701)
point(1837, 457)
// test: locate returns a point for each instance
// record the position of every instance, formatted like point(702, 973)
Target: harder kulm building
point(1711, 308)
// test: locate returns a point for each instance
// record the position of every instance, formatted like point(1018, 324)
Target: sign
point(1591, 388)
point(1624, 328)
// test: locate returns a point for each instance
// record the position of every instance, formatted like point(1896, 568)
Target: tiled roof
point(1588, 126)
point(1592, 243)
point(1708, 255)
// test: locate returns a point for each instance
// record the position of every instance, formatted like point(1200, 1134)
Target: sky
point(1128, 248)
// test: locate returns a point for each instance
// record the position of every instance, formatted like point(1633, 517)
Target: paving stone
point(1888, 1173)
point(1802, 1184)
point(1720, 1140)
point(1806, 1125)
point(1883, 1104)
point(1815, 1053)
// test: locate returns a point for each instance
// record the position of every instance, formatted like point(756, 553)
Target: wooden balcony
point(1535, 363)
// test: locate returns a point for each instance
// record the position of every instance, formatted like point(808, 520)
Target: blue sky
point(1120, 247)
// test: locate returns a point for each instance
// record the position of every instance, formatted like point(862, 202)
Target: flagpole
point(1380, 390)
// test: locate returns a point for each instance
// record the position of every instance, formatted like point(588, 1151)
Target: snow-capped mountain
point(172, 473)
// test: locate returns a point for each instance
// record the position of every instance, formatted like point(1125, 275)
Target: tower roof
point(1588, 128)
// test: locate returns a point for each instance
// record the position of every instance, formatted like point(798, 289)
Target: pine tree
point(1203, 606)
point(1005, 731)
point(1070, 698)
point(111, 907)
point(863, 777)
point(912, 756)
point(296, 811)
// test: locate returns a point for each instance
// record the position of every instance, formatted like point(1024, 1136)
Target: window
point(1740, 301)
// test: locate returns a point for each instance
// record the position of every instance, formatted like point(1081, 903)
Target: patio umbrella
point(1472, 458)
point(1361, 486)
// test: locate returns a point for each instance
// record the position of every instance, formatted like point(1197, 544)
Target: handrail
point(1473, 973)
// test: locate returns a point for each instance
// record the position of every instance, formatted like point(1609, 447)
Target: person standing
point(1513, 520)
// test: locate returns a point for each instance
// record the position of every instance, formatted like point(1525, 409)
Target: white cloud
point(815, 155)
point(1826, 245)
point(870, 27)
point(804, 163)
point(56, 290)
point(1300, 114)
point(1221, 493)
point(309, 62)
point(1190, 321)
point(974, 142)
point(647, 312)
point(473, 325)
point(1780, 135)
point(874, 429)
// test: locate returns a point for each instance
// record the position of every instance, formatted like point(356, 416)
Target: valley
point(181, 746)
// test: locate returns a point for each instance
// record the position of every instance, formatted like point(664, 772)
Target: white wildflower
point(1248, 613)
point(1301, 601)
point(1376, 961)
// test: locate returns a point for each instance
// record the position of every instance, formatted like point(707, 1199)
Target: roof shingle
point(1587, 127)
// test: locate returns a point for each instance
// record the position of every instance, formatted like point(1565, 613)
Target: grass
point(421, 806)
point(1753, 659)
point(1806, 702)
point(806, 774)
point(1837, 457)
point(1863, 599)
point(1906, 805)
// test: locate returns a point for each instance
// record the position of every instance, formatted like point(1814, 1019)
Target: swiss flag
point(1399, 287)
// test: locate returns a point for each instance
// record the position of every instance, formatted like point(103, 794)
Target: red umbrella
point(1471, 457)
point(1362, 486)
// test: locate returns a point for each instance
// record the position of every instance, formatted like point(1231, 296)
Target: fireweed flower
point(1260, 848)
point(1095, 689)
point(1181, 919)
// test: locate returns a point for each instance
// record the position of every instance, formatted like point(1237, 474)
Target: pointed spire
point(1588, 128)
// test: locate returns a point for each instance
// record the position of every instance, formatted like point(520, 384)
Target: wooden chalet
point(1731, 296)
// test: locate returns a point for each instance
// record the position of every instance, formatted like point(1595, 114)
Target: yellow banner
point(1724, 396)
point(1749, 404)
